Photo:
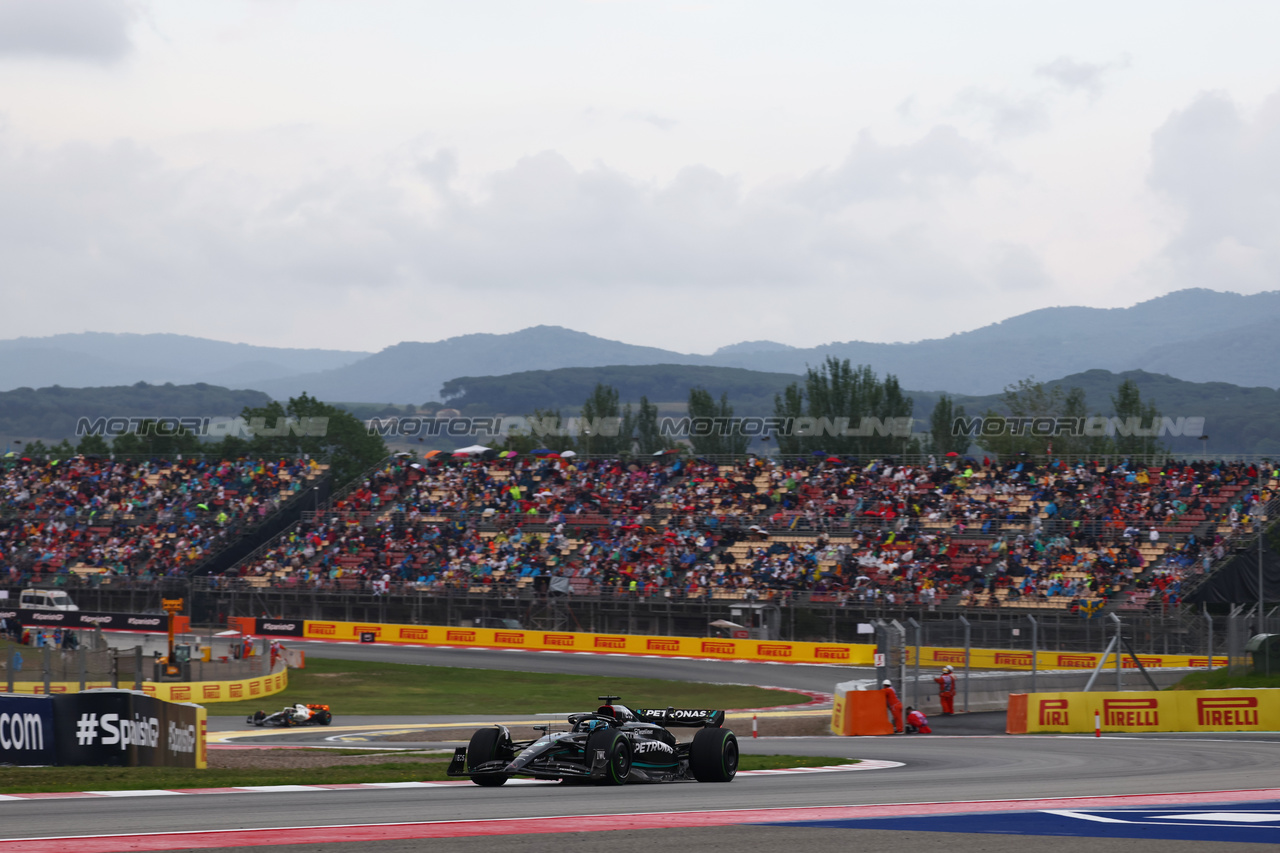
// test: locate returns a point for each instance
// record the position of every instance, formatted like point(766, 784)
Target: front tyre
point(713, 755)
point(617, 753)
point(486, 745)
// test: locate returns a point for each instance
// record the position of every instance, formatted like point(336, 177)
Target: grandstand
point(100, 521)
point(965, 535)
point(951, 535)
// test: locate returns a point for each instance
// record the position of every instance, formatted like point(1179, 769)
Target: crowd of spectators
point(132, 519)
point(959, 531)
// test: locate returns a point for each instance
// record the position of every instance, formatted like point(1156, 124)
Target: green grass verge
point(369, 687)
point(33, 780)
point(1221, 679)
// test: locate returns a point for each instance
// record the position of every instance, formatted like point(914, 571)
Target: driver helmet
point(592, 725)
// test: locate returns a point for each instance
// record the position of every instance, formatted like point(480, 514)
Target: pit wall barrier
point(567, 641)
point(1166, 711)
point(934, 656)
point(859, 712)
point(701, 647)
point(176, 691)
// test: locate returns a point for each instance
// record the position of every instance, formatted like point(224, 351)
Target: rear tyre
point(713, 755)
point(324, 718)
point(617, 752)
point(486, 745)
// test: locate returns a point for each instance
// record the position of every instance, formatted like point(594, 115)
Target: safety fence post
point(915, 688)
point(1035, 650)
point(965, 623)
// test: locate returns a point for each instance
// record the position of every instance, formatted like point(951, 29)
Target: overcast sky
point(678, 174)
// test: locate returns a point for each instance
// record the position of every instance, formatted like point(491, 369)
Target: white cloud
point(1007, 115)
point(145, 238)
point(1221, 168)
point(1087, 77)
point(94, 30)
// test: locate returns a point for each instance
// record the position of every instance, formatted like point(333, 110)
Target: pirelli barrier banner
point(87, 619)
point(931, 656)
point(1165, 711)
point(728, 649)
point(568, 641)
point(174, 691)
point(106, 727)
point(219, 691)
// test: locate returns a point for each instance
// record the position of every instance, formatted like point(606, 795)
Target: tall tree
point(648, 437)
point(317, 429)
point(846, 410)
point(1134, 416)
point(943, 437)
point(601, 410)
point(716, 436)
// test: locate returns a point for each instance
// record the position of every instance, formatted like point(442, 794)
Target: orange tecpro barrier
point(1146, 711)
point(860, 712)
point(932, 656)
point(572, 641)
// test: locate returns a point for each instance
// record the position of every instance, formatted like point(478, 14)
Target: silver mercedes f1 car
point(611, 746)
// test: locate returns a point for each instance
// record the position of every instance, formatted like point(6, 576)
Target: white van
point(45, 599)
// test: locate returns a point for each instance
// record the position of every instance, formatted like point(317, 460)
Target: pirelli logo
point(774, 650)
point(948, 656)
point(376, 630)
point(831, 652)
point(254, 688)
point(322, 629)
point(460, 636)
point(212, 691)
point(1077, 661)
point(610, 642)
point(1130, 663)
point(561, 640)
point(1053, 712)
point(235, 691)
point(1013, 659)
point(414, 634)
point(1227, 711)
point(179, 694)
point(508, 638)
point(1130, 713)
point(711, 647)
point(280, 681)
point(655, 645)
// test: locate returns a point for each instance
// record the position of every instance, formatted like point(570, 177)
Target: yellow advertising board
point(1146, 711)
point(574, 641)
point(933, 656)
point(199, 692)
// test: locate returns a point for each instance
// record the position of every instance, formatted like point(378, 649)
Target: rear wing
point(688, 717)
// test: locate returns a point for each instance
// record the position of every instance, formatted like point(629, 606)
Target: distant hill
point(1237, 419)
point(415, 372)
point(750, 391)
point(1196, 335)
point(51, 414)
point(92, 359)
point(1192, 334)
